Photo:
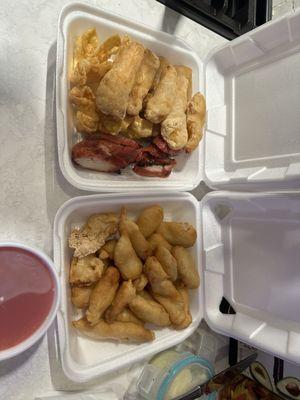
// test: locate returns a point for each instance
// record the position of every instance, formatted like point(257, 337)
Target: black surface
point(228, 18)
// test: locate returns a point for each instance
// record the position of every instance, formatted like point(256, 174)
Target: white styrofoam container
point(252, 86)
point(82, 357)
point(251, 253)
point(74, 19)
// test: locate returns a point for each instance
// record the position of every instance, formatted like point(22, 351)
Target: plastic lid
point(252, 92)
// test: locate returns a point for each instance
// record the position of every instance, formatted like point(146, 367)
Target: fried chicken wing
point(195, 116)
point(103, 295)
point(160, 104)
point(178, 233)
point(143, 82)
point(125, 294)
point(115, 87)
point(187, 270)
point(85, 271)
point(92, 236)
point(149, 311)
point(123, 331)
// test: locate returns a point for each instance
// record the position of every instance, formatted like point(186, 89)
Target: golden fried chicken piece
point(125, 294)
point(92, 236)
point(85, 271)
point(160, 104)
point(149, 311)
point(115, 87)
point(80, 296)
point(124, 331)
point(143, 82)
point(195, 117)
point(103, 295)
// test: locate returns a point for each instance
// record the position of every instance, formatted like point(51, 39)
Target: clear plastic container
point(171, 374)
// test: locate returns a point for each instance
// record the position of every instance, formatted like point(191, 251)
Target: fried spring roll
point(115, 87)
point(143, 82)
point(123, 331)
point(195, 118)
point(149, 311)
point(124, 295)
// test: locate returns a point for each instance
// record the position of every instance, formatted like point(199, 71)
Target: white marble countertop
point(32, 188)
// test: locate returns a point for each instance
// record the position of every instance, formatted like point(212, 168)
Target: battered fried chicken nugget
point(186, 304)
point(175, 309)
point(160, 104)
point(85, 271)
point(80, 296)
point(127, 316)
point(124, 295)
point(123, 331)
point(138, 241)
point(150, 219)
point(167, 261)
point(115, 87)
point(157, 239)
point(143, 82)
point(92, 236)
point(159, 280)
point(178, 233)
point(149, 311)
point(186, 267)
point(140, 283)
point(173, 128)
point(102, 295)
point(108, 250)
point(126, 259)
point(195, 117)
point(139, 128)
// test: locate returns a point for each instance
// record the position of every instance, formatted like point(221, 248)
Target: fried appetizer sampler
point(125, 294)
point(149, 311)
point(195, 118)
point(127, 316)
point(175, 309)
point(186, 267)
point(138, 241)
point(115, 87)
point(140, 283)
point(160, 104)
point(150, 219)
point(92, 236)
point(85, 271)
point(159, 280)
point(167, 261)
point(186, 306)
point(173, 128)
point(157, 239)
point(178, 233)
point(126, 259)
point(123, 331)
point(103, 295)
point(143, 82)
point(80, 296)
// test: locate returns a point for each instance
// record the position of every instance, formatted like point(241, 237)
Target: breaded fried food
point(160, 104)
point(175, 309)
point(187, 270)
point(83, 98)
point(178, 233)
point(125, 294)
point(157, 239)
point(188, 73)
point(173, 128)
point(145, 295)
point(115, 87)
point(143, 82)
point(108, 250)
point(108, 124)
point(195, 118)
point(108, 48)
point(167, 261)
point(126, 259)
point(103, 295)
point(86, 123)
point(140, 283)
point(139, 128)
point(86, 45)
point(163, 63)
point(138, 241)
point(123, 331)
point(85, 271)
point(92, 236)
point(159, 280)
point(186, 305)
point(80, 296)
point(127, 315)
point(149, 311)
point(89, 71)
point(150, 219)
